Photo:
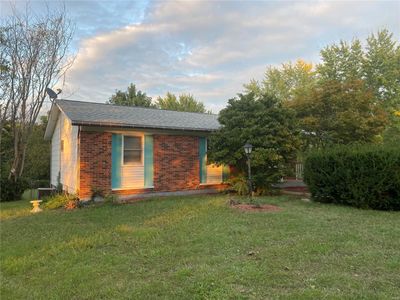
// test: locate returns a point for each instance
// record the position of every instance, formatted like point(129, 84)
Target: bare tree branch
point(34, 56)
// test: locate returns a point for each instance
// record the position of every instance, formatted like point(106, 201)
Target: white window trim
point(141, 136)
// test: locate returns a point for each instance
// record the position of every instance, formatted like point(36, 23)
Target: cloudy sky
point(207, 48)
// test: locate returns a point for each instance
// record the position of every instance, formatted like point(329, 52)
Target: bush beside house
point(362, 176)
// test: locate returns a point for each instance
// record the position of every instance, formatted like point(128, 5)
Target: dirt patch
point(251, 207)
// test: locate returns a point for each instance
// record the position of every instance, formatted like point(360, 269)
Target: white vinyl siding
point(64, 160)
point(69, 156)
point(214, 174)
point(55, 154)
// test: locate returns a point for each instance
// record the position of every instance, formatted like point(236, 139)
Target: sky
point(205, 48)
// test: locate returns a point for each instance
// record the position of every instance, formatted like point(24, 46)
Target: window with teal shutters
point(116, 152)
point(148, 161)
point(203, 159)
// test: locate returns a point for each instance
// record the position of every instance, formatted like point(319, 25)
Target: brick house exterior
point(92, 155)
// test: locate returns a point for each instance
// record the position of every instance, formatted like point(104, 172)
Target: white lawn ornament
point(36, 204)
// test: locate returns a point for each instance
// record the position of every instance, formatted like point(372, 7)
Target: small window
point(132, 150)
point(62, 146)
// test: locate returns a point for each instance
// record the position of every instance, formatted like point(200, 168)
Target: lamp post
point(247, 149)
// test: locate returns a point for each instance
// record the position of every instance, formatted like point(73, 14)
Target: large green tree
point(286, 82)
point(267, 125)
point(341, 62)
point(374, 68)
point(377, 64)
point(131, 97)
point(185, 102)
point(340, 113)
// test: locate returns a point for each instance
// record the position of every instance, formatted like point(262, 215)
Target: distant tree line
point(351, 96)
point(134, 97)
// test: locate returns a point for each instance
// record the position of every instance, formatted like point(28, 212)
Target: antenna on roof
point(52, 94)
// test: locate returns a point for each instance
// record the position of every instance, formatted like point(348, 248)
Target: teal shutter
point(203, 159)
point(116, 157)
point(148, 161)
point(225, 173)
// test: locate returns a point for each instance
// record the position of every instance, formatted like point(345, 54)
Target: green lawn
point(198, 248)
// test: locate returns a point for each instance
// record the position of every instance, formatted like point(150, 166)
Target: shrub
point(72, 204)
point(11, 190)
point(96, 193)
point(363, 176)
point(267, 124)
point(111, 198)
point(239, 184)
point(58, 200)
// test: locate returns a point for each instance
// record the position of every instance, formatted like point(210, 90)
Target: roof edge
point(141, 107)
point(119, 125)
point(54, 114)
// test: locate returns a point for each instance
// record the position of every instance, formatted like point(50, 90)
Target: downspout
point(59, 175)
point(78, 161)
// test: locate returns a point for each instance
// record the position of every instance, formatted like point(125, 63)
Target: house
point(130, 151)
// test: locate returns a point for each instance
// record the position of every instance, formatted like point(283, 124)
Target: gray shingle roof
point(98, 114)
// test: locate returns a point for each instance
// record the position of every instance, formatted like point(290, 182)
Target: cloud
point(209, 49)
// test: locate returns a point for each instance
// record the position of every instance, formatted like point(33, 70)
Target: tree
point(343, 62)
point(378, 64)
point(382, 68)
point(340, 113)
point(376, 67)
point(185, 102)
point(382, 75)
point(268, 125)
point(38, 153)
point(286, 82)
point(131, 97)
point(35, 51)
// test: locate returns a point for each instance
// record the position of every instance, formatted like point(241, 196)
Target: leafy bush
point(58, 200)
point(72, 204)
point(263, 121)
point(239, 185)
point(11, 190)
point(362, 176)
point(111, 198)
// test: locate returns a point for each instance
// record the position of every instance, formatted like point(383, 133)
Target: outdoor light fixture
point(247, 149)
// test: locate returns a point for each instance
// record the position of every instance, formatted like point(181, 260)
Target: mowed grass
point(199, 248)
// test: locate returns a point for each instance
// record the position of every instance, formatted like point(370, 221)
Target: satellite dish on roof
point(52, 94)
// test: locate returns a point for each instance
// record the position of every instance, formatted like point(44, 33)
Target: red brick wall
point(176, 162)
point(95, 162)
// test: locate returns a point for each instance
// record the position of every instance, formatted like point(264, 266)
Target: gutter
point(110, 124)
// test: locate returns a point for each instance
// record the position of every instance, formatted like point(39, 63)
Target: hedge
point(363, 176)
point(11, 190)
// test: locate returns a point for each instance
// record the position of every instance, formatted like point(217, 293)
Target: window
point(132, 150)
point(62, 146)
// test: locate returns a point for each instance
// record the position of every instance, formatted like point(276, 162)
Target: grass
point(199, 248)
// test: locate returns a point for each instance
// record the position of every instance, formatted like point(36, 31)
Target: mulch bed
point(251, 207)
